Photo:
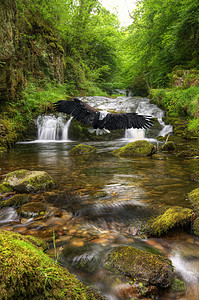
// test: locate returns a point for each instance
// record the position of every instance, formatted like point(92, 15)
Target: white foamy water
point(51, 128)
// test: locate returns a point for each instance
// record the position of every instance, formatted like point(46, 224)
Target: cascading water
point(51, 128)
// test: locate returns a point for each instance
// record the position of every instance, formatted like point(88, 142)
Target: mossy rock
point(26, 272)
point(15, 201)
point(25, 181)
point(137, 148)
point(173, 217)
point(32, 209)
point(196, 227)
point(82, 149)
point(142, 266)
point(5, 188)
point(178, 285)
point(193, 198)
point(168, 146)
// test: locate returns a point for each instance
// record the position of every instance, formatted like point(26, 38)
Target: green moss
point(148, 268)
point(15, 201)
point(138, 148)
point(168, 146)
point(178, 285)
point(25, 181)
point(82, 149)
point(5, 188)
point(173, 217)
point(193, 198)
point(26, 272)
point(32, 209)
point(196, 227)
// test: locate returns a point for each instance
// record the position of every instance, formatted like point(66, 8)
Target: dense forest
point(61, 48)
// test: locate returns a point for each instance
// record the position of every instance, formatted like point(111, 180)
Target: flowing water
point(109, 198)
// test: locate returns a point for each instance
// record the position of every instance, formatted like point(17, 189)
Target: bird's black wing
point(125, 121)
point(79, 110)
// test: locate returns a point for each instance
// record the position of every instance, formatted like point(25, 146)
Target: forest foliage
point(99, 56)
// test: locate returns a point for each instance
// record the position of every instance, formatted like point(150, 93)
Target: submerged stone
point(173, 217)
point(142, 266)
point(26, 272)
point(82, 149)
point(32, 209)
point(25, 181)
point(194, 177)
point(137, 148)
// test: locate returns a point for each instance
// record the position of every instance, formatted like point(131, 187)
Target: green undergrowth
point(27, 272)
point(180, 102)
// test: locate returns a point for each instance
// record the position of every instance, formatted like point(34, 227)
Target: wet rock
point(82, 149)
point(173, 217)
point(15, 201)
point(193, 198)
point(26, 271)
point(32, 209)
point(168, 146)
point(25, 181)
point(137, 148)
point(142, 266)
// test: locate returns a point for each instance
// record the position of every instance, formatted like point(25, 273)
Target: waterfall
point(144, 107)
point(51, 128)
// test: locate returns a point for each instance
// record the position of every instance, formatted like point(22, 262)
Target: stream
point(109, 198)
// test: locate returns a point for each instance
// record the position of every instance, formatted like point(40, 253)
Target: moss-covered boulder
point(137, 148)
point(82, 149)
point(142, 266)
point(196, 227)
point(15, 201)
point(26, 272)
point(193, 198)
point(173, 217)
point(25, 181)
point(168, 146)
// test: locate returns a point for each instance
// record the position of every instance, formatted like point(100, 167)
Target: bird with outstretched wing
point(90, 116)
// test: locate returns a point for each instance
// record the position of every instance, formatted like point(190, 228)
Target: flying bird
point(99, 120)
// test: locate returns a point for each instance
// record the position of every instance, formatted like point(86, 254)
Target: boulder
point(32, 209)
point(173, 217)
point(142, 266)
point(26, 272)
point(15, 201)
point(82, 149)
point(196, 227)
point(168, 146)
point(193, 198)
point(25, 181)
point(137, 148)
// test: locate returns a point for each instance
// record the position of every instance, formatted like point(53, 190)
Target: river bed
point(109, 199)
